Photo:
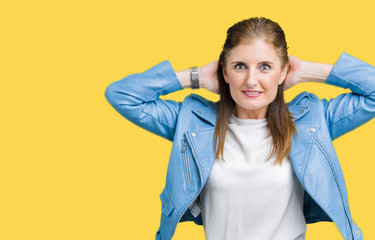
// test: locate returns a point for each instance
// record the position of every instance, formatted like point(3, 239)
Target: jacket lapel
point(301, 146)
point(302, 142)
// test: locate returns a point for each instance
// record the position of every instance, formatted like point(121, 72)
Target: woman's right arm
point(136, 97)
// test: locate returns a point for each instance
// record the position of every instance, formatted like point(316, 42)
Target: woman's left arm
point(346, 111)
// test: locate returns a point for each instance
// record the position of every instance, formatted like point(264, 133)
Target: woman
point(250, 166)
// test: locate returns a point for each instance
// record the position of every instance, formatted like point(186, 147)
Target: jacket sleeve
point(136, 97)
point(350, 110)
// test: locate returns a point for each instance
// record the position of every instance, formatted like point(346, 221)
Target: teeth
point(252, 92)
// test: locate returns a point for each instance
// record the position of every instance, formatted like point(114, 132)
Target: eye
point(240, 66)
point(265, 67)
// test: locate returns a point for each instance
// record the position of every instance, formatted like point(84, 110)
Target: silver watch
point(194, 77)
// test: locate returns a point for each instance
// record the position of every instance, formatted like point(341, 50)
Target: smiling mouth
point(252, 92)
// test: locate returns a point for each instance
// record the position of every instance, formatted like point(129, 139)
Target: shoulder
point(197, 111)
point(307, 109)
point(305, 98)
point(195, 100)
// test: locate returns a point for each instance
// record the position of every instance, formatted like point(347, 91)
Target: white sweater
point(247, 197)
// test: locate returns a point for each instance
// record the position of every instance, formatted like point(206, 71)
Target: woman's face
point(253, 72)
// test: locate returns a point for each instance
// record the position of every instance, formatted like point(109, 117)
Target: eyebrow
point(268, 62)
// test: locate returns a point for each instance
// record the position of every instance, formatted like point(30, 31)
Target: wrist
point(201, 77)
point(184, 78)
point(315, 72)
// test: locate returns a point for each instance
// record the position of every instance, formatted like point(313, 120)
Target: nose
point(251, 79)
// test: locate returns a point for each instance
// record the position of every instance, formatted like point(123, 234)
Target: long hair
point(280, 124)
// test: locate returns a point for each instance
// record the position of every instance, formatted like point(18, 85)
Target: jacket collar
point(298, 111)
point(207, 112)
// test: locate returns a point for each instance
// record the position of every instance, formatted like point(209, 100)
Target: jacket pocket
point(166, 204)
point(185, 158)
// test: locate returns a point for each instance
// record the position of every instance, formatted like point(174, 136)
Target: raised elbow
point(110, 93)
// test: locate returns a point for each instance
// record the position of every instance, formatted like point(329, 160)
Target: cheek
point(272, 85)
point(235, 80)
point(234, 90)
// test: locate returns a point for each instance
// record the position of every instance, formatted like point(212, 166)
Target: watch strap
point(194, 73)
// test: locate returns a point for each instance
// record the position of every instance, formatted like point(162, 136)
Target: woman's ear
point(284, 72)
point(225, 75)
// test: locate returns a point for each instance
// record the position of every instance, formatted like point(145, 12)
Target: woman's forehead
point(256, 51)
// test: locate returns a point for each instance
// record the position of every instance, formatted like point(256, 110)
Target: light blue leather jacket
point(190, 125)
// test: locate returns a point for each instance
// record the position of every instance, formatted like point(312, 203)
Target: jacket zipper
point(195, 159)
point(184, 150)
point(200, 175)
point(338, 186)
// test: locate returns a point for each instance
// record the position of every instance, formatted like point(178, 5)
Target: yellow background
point(73, 168)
